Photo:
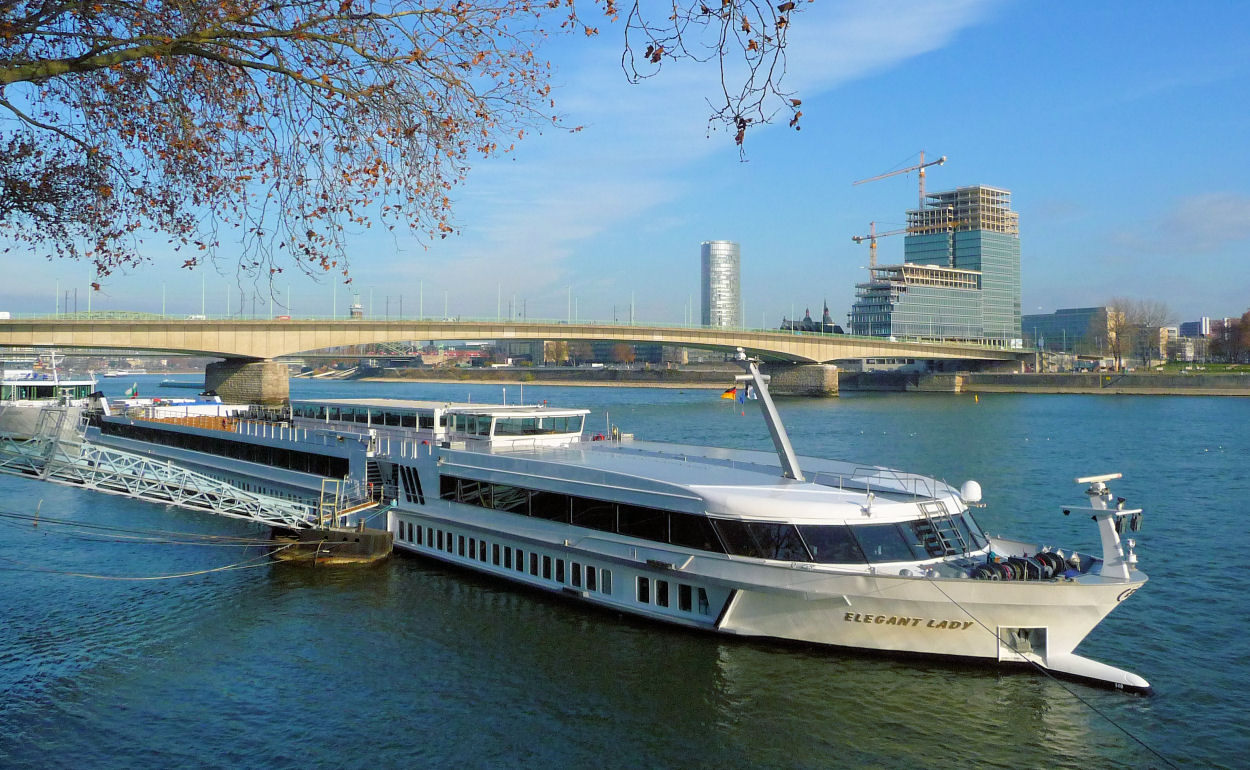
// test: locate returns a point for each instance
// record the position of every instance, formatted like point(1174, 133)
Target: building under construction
point(961, 273)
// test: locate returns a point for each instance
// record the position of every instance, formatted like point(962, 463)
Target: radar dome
point(970, 492)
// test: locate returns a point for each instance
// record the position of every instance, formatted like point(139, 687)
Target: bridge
point(249, 347)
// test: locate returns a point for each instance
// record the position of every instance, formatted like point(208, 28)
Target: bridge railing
point(196, 318)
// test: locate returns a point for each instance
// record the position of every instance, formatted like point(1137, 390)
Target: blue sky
point(1119, 127)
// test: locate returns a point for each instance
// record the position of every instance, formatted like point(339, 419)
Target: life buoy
point(598, 437)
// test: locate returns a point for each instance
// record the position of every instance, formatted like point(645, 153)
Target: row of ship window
point(821, 543)
point(571, 573)
point(277, 457)
point(593, 579)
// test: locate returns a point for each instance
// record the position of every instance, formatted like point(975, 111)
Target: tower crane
point(873, 235)
point(919, 167)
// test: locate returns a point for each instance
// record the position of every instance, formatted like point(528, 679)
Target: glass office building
point(1068, 330)
point(970, 232)
point(721, 291)
point(918, 301)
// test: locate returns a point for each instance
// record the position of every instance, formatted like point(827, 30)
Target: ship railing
point(874, 479)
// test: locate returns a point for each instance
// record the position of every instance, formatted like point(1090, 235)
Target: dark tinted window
point(884, 542)
point(693, 532)
point(647, 523)
point(511, 499)
point(832, 544)
point(779, 541)
point(594, 514)
point(737, 538)
point(549, 505)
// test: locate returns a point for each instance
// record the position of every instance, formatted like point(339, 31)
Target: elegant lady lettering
point(899, 620)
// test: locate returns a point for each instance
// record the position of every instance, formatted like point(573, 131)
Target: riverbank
point(1110, 383)
point(1100, 383)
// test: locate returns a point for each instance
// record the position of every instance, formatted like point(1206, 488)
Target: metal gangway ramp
point(49, 456)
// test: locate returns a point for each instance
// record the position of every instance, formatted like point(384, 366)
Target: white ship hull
point(951, 618)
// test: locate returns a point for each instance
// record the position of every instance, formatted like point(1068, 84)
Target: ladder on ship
point(938, 532)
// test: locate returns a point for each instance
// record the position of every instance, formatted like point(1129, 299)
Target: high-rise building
point(967, 241)
point(721, 290)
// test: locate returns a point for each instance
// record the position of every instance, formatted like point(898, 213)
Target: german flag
point(731, 393)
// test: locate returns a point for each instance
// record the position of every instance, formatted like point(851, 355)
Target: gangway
point(48, 457)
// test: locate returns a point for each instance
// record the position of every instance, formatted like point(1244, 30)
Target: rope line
point(247, 564)
point(1057, 681)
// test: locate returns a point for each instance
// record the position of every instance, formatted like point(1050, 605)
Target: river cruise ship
point(746, 543)
point(25, 390)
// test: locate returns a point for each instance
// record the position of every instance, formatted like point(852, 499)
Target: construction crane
point(919, 167)
point(873, 235)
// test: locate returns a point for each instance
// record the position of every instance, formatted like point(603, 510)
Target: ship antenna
point(785, 452)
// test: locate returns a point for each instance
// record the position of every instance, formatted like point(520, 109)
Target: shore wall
point(1110, 383)
point(827, 380)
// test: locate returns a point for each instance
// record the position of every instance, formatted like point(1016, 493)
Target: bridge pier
point(802, 379)
point(248, 381)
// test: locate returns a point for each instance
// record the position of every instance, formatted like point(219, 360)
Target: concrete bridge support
point(247, 381)
point(802, 379)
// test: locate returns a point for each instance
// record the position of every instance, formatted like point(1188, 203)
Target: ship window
point(546, 567)
point(472, 548)
point(461, 543)
point(832, 544)
point(511, 499)
point(450, 544)
point(419, 530)
point(391, 418)
point(481, 551)
point(559, 570)
point(429, 536)
point(605, 583)
point(661, 593)
point(575, 575)
point(408, 421)
point(646, 523)
point(704, 609)
point(738, 538)
point(693, 532)
point(971, 532)
point(591, 574)
point(334, 412)
point(520, 560)
point(425, 421)
point(779, 541)
point(507, 558)
point(534, 564)
point(683, 597)
point(644, 590)
point(884, 542)
point(594, 514)
point(494, 554)
point(549, 505)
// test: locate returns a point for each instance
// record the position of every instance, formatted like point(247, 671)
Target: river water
point(412, 664)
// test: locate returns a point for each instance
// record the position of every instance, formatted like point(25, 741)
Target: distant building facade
point(1067, 329)
point(721, 290)
point(1199, 328)
point(960, 275)
point(807, 324)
